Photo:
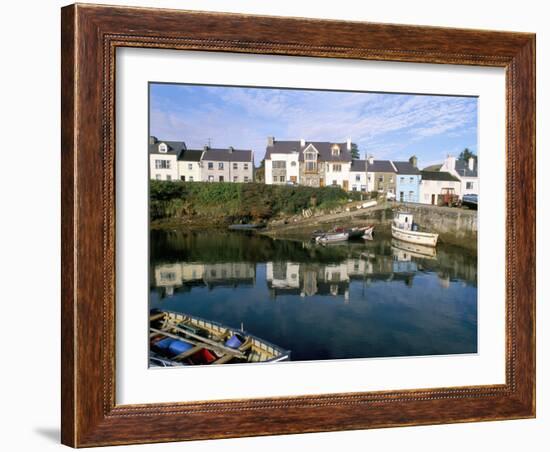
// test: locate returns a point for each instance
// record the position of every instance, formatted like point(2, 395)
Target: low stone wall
point(454, 225)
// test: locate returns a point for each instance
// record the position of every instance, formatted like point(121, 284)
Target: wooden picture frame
point(90, 36)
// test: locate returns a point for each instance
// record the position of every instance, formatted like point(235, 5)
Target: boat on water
point(246, 227)
point(470, 201)
point(332, 237)
point(360, 232)
point(414, 249)
point(178, 339)
point(403, 228)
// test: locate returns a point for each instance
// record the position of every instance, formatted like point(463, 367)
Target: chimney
point(270, 141)
point(371, 160)
point(450, 163)
point(302, 142)
point(471, 163)
point(152, 139)
point(206, 147)
point(231, 149)
point(413, 161)
point(348, 144)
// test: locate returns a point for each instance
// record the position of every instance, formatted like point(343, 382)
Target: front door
point(433, 199)
point(401, 196)
point(321, 182)
point(346, 185)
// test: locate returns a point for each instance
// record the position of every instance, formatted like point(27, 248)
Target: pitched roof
point(463, 170)
point(358, 165)
point(406, 168)
point(174, 147)
point(381, 166)
point(191, 155)
point(436, 167)
point(323, 147)
point(227, 155)
point(438, 176)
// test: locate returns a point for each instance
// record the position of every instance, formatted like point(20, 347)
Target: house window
point(220, 165)
point(411, 195)
point(358, 178)
point(168, 177)
point(282, 178)
point(162, 164)
point(336, 168)
point(210, 178)
point(163, 148)
point(334, 182)
point(274, 178)
point(221, 179)
point(157, 177)
point(391, 180)
point(245, 166)
point(182, 178)
point(279, 164)
point(380, 178)
point(235, 166)
point(210, 165)
point(190, 166)
point(246, 178)
point(402, 180)
point(411, 180)
point(293, 163)
point(469, 185)
point(235, 178)
point(190, 178)
point(311, 166)
point(335, 150)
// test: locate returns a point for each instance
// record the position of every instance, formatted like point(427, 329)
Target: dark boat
point(470, 201)
point(178, 339)
point(246, 227)
point(359, 233)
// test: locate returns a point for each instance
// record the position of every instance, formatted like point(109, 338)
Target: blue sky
point(388, 126)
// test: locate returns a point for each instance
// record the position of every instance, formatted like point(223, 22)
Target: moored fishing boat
point(403, 228)
point(178, 339)
point(360, 232)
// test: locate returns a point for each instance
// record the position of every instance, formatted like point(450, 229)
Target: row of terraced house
point(314, 164)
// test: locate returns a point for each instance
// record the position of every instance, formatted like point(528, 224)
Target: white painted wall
point(163, 173)
point(358, 179)
point(339, 177)
point(432, 187)
point(292, 167)
point(190, 170)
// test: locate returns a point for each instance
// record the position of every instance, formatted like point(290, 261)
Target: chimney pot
point(270, 141)
point(471, 163)
point(371, 159)
point(302, 142)
point(348, 143)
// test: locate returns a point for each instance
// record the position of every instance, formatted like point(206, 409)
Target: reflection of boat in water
point(246, 227)
point(414, 249)
point(404, 229)
point(178, 339)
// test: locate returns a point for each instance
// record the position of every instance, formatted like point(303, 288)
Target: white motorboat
point(403, 228)
point(332, 237)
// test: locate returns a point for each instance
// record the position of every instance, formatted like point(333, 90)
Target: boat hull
point(420, 238)
point(333, 238)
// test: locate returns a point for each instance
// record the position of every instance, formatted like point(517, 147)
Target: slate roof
point(323, 147)
point(436, 167)
point(438, 176)
point(358, 165)
point(190, 155)
point(406, 168)
point(462, 169)
point(223, 155)
point(381, 166)
point(174, 147)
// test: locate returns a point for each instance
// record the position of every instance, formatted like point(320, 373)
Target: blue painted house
point(407, 184)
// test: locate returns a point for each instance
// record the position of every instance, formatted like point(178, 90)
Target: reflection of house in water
point(184, 275)
point(291, 278)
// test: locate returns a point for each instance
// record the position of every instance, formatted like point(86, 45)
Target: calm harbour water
point(353, 300)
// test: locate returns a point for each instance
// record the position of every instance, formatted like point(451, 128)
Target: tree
point(354, 151)
point(466, 154)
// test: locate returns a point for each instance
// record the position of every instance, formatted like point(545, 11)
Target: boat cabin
point(403, 221)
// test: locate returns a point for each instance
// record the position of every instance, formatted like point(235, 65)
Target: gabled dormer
point(311, 155)
point(335, 150)
point(163, 148)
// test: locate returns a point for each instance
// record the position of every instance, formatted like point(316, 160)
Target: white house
point(465, 171)
point(163, 158)
point(435, 183)
point(282, 167)
point(189, 165)
point(358, 175)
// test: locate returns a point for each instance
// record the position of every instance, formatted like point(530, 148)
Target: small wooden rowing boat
point(178, 339)
point(403, 228)
point(360, 232)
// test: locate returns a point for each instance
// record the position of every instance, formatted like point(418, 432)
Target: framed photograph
point(282, 225)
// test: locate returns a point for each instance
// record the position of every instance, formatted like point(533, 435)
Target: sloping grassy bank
point(224, 203)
